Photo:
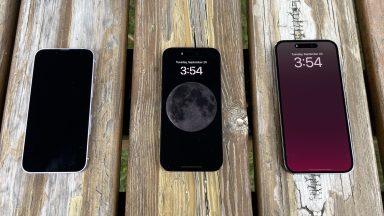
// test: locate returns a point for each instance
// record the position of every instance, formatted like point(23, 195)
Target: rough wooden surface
point(280, 192)
point(371, 16)
point(150, 189)
point(99, 25)
point(9, 12)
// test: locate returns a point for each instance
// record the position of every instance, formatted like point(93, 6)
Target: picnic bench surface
point(101, 26)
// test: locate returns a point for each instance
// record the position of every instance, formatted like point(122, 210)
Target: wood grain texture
point(280, 192)
point(371, 16)
point(150, 189)
point(9, 12)
point(99, 25)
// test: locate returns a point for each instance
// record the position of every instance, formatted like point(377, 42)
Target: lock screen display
point(191, 132)
point(312, 107)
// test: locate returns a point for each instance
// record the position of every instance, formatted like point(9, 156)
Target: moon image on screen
point(191, 106)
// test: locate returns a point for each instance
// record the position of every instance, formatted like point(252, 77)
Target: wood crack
point(206, 199)
point(312, 212)
point(297, 22)
point(314, 185)
point(206, 15)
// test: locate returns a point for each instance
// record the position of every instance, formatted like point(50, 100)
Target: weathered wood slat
point(99, 25)
point(150, 189)
point(281, 192)
point(371, 16)
point(9, 12)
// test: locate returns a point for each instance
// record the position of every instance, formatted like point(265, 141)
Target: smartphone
point(313, 114)
point(58, 123)
point(191, 127)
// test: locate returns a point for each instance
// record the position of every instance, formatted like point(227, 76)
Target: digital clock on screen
point(191, 70)
point(308, 62)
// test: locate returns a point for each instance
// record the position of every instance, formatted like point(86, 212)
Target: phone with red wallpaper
point(313, 115)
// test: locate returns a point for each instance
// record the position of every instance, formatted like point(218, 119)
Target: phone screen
point(313, 115)
point(191, 130)
point(57, 127)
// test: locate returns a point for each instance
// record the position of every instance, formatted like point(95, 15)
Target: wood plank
point(150, 189)
point(371, 16)
point(281, 192)
point(9, 12)
point(99, 25)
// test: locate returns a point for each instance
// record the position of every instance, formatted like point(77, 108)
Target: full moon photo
point(191, 106)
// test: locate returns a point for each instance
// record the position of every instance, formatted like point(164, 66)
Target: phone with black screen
point(313, 114)
point(58, 123)
point(191, 127)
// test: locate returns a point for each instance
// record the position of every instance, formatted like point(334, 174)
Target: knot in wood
point(237, 120)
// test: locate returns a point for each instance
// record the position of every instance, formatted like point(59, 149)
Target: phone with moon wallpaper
point(58, 123)
point(191, 127)
point(313, 115)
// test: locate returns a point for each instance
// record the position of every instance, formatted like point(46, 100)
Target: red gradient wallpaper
point(312, 108)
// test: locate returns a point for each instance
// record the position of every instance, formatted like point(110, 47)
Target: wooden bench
point(150, 189)
point(101, 25)
point(8, 20)
point(97, 25)
point(370, 15)
point(280, 192)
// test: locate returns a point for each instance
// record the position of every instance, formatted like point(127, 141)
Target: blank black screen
point(57, 127)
